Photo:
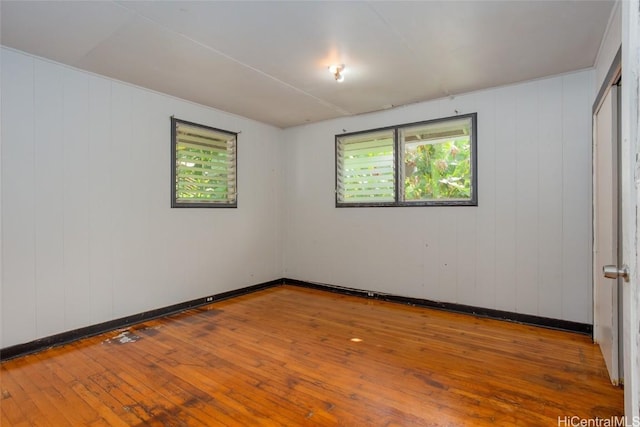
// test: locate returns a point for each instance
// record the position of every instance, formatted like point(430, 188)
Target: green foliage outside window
point(431, 163)
point(438, 171)
point(204, 174)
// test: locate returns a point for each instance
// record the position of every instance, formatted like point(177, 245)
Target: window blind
point(365, 168)
point(205, 165)
point(428, 163)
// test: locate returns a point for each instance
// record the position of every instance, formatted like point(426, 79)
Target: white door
point(630, 189)
point(606, 223)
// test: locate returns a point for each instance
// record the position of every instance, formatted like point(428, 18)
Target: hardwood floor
point(294, 356)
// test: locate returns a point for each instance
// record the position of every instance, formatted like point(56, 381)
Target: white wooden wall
point(526, 248)
point(87, 230)
point(88, 235)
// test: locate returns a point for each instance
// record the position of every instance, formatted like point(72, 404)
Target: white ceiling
point(268, 60)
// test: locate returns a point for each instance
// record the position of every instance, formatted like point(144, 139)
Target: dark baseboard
point(527, 319)
point(76, 334)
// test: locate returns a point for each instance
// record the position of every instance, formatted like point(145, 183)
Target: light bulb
point(337, 70)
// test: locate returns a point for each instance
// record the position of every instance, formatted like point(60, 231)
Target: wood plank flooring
point(293, 356)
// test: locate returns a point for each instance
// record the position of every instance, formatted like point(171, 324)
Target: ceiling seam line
point(132, 15)
point(212, 49)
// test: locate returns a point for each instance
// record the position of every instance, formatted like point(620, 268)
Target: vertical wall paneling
point(485, 219)
point(100, 201)
point(265, 156)
point(157, 146)
point(526, 141)
point(138, 202)
point(505, 185)
point(87, 225)
point(279, 213)
point(447, 251)
point(465, 219)
point(576, 193)
point(88, 232)
point(430, 260)
point(466, 234)
point(285, 220)
point(550, 197)
point(49, 197)
point(75, 193)
point(18, 203)
point(121, 181)
point(514, 252)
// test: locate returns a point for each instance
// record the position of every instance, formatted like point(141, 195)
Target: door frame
point(606, 229)
point(630, 139)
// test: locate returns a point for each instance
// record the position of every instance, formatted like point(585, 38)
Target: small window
point(203, 166)
point(431, 163)
point(366, 168)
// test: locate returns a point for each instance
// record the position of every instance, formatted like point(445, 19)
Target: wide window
point(204, 166)
point(419, 164)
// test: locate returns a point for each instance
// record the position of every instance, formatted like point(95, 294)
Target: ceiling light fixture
point(337, 71)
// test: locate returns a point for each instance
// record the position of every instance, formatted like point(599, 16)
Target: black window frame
point(205, 204)
point(398, 158)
